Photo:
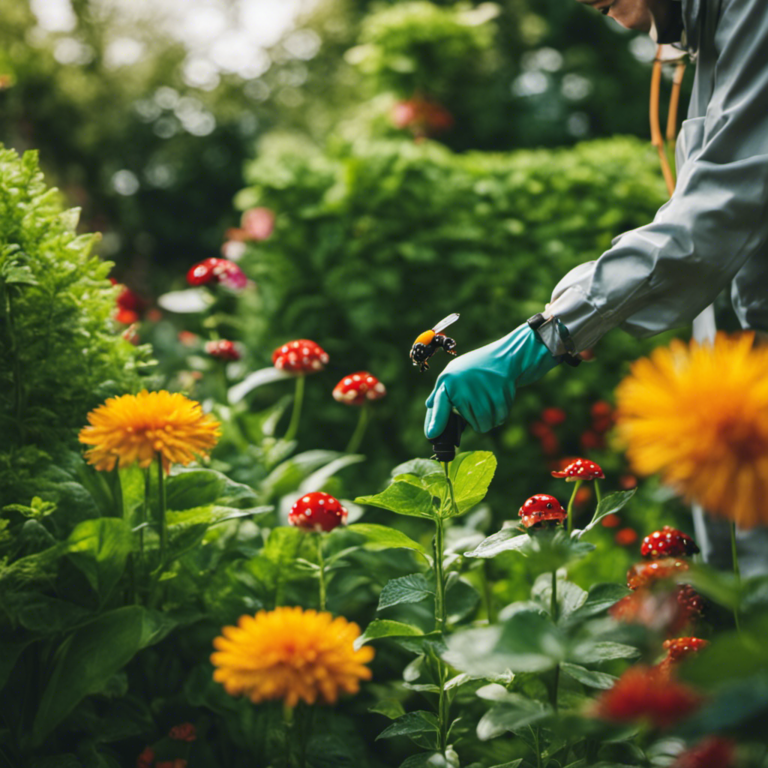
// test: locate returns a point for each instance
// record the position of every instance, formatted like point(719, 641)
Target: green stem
point(287, 728)
point(598, 494)
point(576, 487)
point(736, 572)
point(362, 424)
point(553, 610)
point(298, 398)
point(144, 511)
point(535, 732)
point(442, 707)
point(440, 612)
point(321, 572)
point(487, 592)
point(162, 529)
point(18, 386)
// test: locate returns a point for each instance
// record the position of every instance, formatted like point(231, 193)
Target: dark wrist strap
point(571, 357)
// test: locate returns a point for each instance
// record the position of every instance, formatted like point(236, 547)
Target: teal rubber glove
point(481, 384)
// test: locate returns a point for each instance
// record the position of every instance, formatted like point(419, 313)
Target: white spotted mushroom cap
point(317, 511)
point(581, 469)
point(358, 387)
point(300, 356)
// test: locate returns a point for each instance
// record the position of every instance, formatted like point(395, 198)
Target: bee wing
point(446, 321)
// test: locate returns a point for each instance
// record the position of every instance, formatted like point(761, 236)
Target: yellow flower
point(291, 654)
point(698, 415)
point(138, 428)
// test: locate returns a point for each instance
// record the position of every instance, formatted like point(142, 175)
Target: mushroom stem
point(598, 494)
point(736, 572)
point(576, 487)
point(321, 572)
point(298, 398)
point(362, 424)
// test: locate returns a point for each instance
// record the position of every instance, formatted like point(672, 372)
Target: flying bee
point(429, 342)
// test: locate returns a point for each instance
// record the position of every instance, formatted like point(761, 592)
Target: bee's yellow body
point(425, 338)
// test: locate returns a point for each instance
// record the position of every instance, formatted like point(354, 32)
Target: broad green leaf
point(402, 498)
point(90, 656)
point(192, 488)
point(505, 540)
point(286, 478)
point(569, 595)
point(461, 599)
point(390, 708)
point(99, 548)
point(379, 628)
point(213, 514)
point(609, 505)
point(600, 598)
point(471, 474)
point(256, 379)
point(43, 614)
point(591, 652)
point(527, 642)
point(516, 712)
point(317, 480)
point(722, 588)
point(411, 723)
point(378, 537)
point(588, 677)
point(407, 589)
point(418, 467)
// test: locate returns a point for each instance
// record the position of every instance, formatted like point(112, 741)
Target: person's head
point(651, 16)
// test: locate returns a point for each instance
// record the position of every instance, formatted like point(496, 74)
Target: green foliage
point(420, 47)
point(60, 353)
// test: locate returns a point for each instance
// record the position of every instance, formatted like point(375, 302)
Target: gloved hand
point(481, 384)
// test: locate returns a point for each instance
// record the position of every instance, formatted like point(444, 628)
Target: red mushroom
point(358, 387)
point(300, 356)
point(668, 542)
point(580, 469)
point(318, 512)
point(222, 350)
point(542, 508)
point(215, 270)
point(644, 574)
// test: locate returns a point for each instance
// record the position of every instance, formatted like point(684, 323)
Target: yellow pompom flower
point(291, 654)
point(698, 415)
point(137, 428)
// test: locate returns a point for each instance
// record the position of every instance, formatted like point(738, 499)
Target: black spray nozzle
point(446, 443)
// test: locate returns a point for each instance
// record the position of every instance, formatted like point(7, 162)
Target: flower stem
point(298, 398)
point(162, 530)
point(357, 435)
point(287, 728)
point(321, 572)
point(487, 591)
point(553, 610)
point(736, 572)
point(576, 487)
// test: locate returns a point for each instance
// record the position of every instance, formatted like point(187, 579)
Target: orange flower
point(291, 654)
point(698, 415)
point(137, 428)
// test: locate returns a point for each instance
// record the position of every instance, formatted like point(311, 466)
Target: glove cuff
point(555, 336)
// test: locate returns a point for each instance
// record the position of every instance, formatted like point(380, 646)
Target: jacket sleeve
point(662, 275)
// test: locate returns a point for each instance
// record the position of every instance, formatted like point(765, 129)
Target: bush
point(375, 242)
point(59, 352)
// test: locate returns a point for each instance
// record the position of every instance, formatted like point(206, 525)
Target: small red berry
point(540, 509)
point(183, 732)
point(711, 752)
point(627, 482)
point(553, 416)
point(583, 495)
point(626, 537)
point(146, 759)
point(222, 349)
point(317, 511)
point(580, 469)
point(300, 356)
point(611, 521)
point(668, 542)
point(601, 409)
point(679, 648)
point(591, 440)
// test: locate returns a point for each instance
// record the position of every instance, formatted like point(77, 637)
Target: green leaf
point(90, 656)
point(213, 514)
point(588, 677)
point(427, 760)
point(516, 712)
point(591, 652)
point(505, 540)
point(600, 598)
point(9, 653)
point(379, 628)
point(407, 589)
point(192, 488)
point(609, 505)
point(403, 498)
point(527, 642)
point(461, 599)
point(99, 548)
point(411, 723)
point(390, 708)
point(380, 537)
point(418, 467)
point(471, 474)
point(569, 595)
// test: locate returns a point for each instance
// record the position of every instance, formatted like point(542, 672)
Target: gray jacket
point(714, 230)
